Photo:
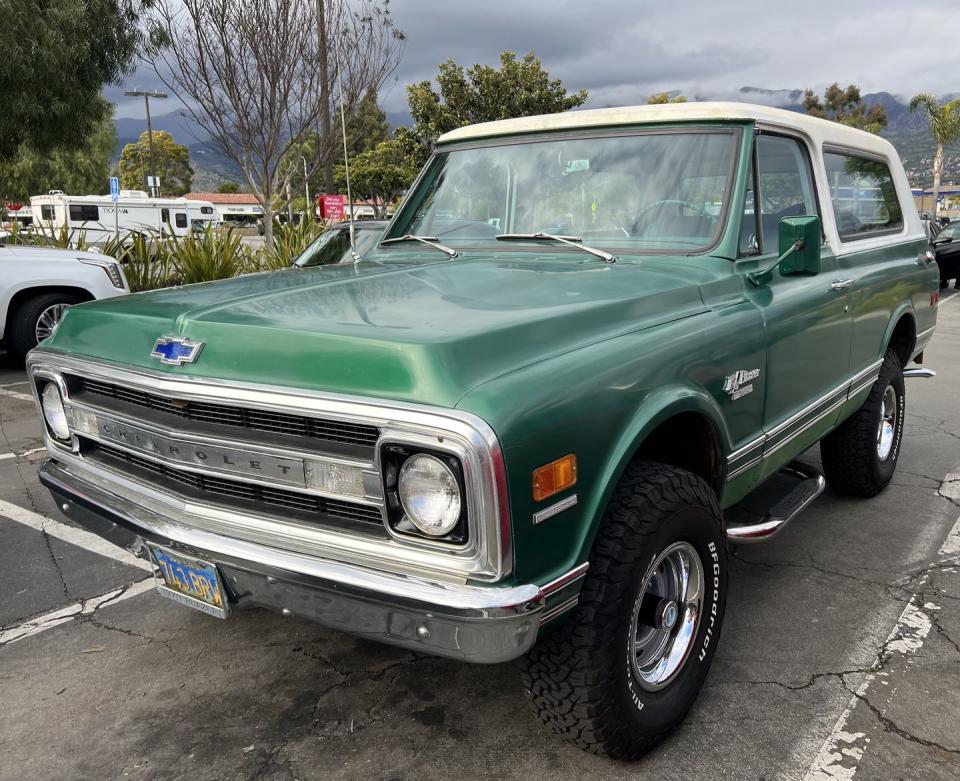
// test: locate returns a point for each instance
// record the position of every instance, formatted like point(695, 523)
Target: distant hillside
point(906, 131)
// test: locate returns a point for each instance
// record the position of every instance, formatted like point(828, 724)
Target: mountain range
point(906, 130)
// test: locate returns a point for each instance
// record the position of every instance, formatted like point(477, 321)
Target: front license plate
point(189, 581)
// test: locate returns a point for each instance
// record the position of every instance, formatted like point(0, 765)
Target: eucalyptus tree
point(944, 121)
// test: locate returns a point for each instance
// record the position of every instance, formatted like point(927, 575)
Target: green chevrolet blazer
point(579, 365)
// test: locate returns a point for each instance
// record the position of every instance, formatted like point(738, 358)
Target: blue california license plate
point(189, 581)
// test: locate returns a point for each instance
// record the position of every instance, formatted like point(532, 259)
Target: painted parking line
point(839, 756)
point(22, 453)
point(14, 384)
point(77, 610)
point(15, 394)
point(75, 536)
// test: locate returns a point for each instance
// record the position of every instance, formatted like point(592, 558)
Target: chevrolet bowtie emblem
point(176, 350)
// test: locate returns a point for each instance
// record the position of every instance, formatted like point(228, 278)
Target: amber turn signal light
point(554, 477)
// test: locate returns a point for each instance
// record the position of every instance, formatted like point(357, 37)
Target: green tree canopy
point(367, 126)
point(56, 58)
point(847, 107)
point(228, 187)
point(172, 162)
point(665, 97)
point(380, 174)
point(79, 170)
point(481, 93)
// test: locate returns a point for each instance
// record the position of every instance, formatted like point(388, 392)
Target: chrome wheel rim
point(666, 615)
point(888, 423)
point(48, 320)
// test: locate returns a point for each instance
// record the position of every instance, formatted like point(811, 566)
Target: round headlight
point(53, 411)
point(430, 494)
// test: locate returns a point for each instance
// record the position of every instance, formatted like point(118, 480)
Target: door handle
point(842, 284)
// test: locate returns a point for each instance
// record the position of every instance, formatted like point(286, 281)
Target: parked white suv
point(37, 284)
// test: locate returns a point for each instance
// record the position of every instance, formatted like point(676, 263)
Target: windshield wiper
point(571, 240)
point(430, 241)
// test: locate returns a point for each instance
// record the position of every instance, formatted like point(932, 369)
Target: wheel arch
point(901, 334)
point(24, 294)
point(683, 427)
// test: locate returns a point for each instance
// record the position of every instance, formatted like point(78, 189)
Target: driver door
point(807, 320)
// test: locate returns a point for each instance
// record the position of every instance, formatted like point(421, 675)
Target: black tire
point(851, 453)
point(580, 678)
point(22, 336)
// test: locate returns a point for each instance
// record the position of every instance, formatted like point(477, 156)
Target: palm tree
point(945, 126)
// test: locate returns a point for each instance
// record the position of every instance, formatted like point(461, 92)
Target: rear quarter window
point(863, 195)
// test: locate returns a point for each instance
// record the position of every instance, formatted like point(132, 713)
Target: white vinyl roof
point(821, 131)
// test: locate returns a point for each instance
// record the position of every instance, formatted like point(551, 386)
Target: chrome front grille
point(266, 498)
point(285, 424)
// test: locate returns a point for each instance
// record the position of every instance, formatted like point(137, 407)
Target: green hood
point(415, 331)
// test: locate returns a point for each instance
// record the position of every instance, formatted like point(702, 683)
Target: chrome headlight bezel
point(402, 519)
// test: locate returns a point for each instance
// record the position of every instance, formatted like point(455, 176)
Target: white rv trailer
point(94, 215)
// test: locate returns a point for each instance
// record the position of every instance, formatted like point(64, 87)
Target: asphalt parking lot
point(840, 656)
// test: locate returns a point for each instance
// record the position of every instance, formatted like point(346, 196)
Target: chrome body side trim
point(554, 509)
point(755, 452)
point(474, 623)
point(486, 555)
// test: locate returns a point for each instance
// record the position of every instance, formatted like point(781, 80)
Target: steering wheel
point(676, 202)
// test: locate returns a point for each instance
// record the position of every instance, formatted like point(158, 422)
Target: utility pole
point(307, 209)
point(147, 94)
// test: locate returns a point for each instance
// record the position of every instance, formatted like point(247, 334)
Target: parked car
point(38, 284)
point(333, 245)
point(946, 248)
point(526, 422)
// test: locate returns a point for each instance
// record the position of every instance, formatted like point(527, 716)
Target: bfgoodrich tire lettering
point(858, 460)
point(582, 679)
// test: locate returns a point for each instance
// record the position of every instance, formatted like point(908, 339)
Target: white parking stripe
point(21, 454)
point(75, 536)
point(78, 609)
point(840, 754)
point(13, 384)
point(16, 395)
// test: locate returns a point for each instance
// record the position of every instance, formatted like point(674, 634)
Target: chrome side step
point(809, 486)
point(919, 372)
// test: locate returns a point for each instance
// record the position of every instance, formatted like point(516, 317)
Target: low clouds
point(623, 50)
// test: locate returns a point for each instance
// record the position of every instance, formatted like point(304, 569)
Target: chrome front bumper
point(483, 624)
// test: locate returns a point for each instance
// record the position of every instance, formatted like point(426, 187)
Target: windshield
point(333, 246)
point(659, 191)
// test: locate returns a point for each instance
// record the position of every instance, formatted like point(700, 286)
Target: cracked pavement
point(841, 644)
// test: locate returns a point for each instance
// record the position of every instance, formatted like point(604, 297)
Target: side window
point(46, 212)
point(84, 213)
point(165, 216)
point(181, 219)
point(863, 194)
point(786, 186)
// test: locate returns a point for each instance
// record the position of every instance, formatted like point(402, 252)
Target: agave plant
point(207, 255)
point(145, 260)
point(289, 241)
point(43, 236)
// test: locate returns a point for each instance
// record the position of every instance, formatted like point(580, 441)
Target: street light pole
point(147, 94)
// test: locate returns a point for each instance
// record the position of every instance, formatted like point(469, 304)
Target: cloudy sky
point(622, 50)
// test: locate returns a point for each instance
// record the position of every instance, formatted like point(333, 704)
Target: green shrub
point(146, 261)
point(289, 240)
point(42, 236)
point(206, 256)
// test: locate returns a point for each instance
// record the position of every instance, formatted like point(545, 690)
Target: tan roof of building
point(236, 199)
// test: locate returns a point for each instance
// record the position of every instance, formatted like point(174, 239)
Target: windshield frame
point(427, 175)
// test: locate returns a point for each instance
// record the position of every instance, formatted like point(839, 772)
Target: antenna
point(346, 158)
